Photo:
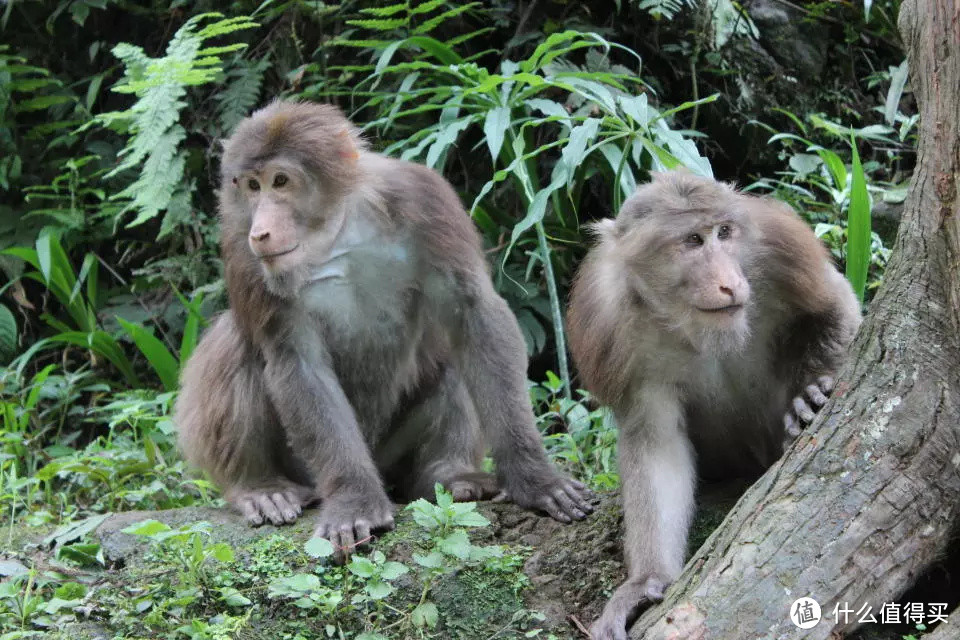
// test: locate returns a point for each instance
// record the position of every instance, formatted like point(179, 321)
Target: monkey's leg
point(322, 428)
point(494, 368)
point(228, 428)
point(657, 476)
point(450, 449)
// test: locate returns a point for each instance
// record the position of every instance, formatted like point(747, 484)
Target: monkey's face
point(293, 221)
point(693, 277)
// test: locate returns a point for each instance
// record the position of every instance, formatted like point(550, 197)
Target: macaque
point(712, 323)
point(365, 349)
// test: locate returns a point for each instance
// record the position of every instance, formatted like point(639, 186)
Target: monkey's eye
point(724, 232)
point(279, 180)
point(693, 240)
point(253, 184)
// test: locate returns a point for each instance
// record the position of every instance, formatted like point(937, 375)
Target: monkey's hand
point(563, 498)
point(625, 604)
point(348, 518)
point(803, 409)
point(276, 505)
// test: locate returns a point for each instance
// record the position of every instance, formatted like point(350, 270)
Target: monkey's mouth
point(730, 309)
point(267, 257)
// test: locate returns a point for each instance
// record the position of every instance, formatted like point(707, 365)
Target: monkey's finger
point(250, 512)
point(825, 383)
point(790, 425)
point(388, 523)
point(268, 509)
point(550, 505)
point(362, 528)
point(347, 542)
point(579, 498)
point(815, 395)
point(803, 410)
point(578, 505)
point(567, 505)
point(286, 509)
point(503, 496)
point(294, 500)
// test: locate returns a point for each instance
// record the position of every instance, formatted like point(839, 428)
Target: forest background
point(544, 115)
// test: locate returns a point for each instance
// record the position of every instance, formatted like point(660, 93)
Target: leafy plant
point(160, 85)
point(600, 117)
point(582, 438)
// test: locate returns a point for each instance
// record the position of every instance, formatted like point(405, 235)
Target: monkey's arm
point(323, 430)
point(657, 476)
point(819, 345)
point(493, 366)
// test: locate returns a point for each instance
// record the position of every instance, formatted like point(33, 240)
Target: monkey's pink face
point(715, 285)
point(292, 225)
point(695, 277)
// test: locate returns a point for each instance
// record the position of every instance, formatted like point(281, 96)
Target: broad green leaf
point(360, 566)
point(495, 128)
point(378, 589)
point(392, 570)
point(432, 560)
point(74, 530)
point(805, 163)
point(319, 548)
point(470, 519)
point(8, 334)
point(159, 357)
point(425, 615)
point(146, 528)
point(456, 544)
point(437, 49)
point(221, 551)
point(858, 227)
point(233, 598)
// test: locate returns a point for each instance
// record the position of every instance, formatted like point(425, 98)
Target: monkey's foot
point(472, 486)
point(277, 506)
point(624, 606)
point(563, 498)
point(803, 409)
point(348, 521)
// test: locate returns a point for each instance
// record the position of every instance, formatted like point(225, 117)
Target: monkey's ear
point(604, 229)
point(348, 147)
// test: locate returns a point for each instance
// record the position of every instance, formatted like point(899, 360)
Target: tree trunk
point(869, 496)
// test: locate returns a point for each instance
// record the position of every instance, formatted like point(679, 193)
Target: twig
point(575, 621)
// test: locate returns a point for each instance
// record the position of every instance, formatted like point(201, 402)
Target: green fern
point(243, 91)
point(160, 85)
point(665, 8)
point(398, 21)
point(17, 81)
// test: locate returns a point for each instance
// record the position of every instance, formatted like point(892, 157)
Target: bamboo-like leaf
point(858, 227)
point(495, 129)
point(159, 357)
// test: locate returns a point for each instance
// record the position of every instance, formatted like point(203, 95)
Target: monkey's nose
point(726, 291)
point(259, 236)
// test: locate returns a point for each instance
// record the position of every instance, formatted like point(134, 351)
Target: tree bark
point(869, 496)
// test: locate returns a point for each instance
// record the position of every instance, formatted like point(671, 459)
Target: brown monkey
point(700, 318)
point(365, 345)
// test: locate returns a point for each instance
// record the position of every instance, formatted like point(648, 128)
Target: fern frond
point(427, 7)
point(242, 91)
point(380, 25)
point(386, 12)
point(160, 85)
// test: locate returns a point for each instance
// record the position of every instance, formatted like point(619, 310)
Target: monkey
point(365, 348)
point(711, 322)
